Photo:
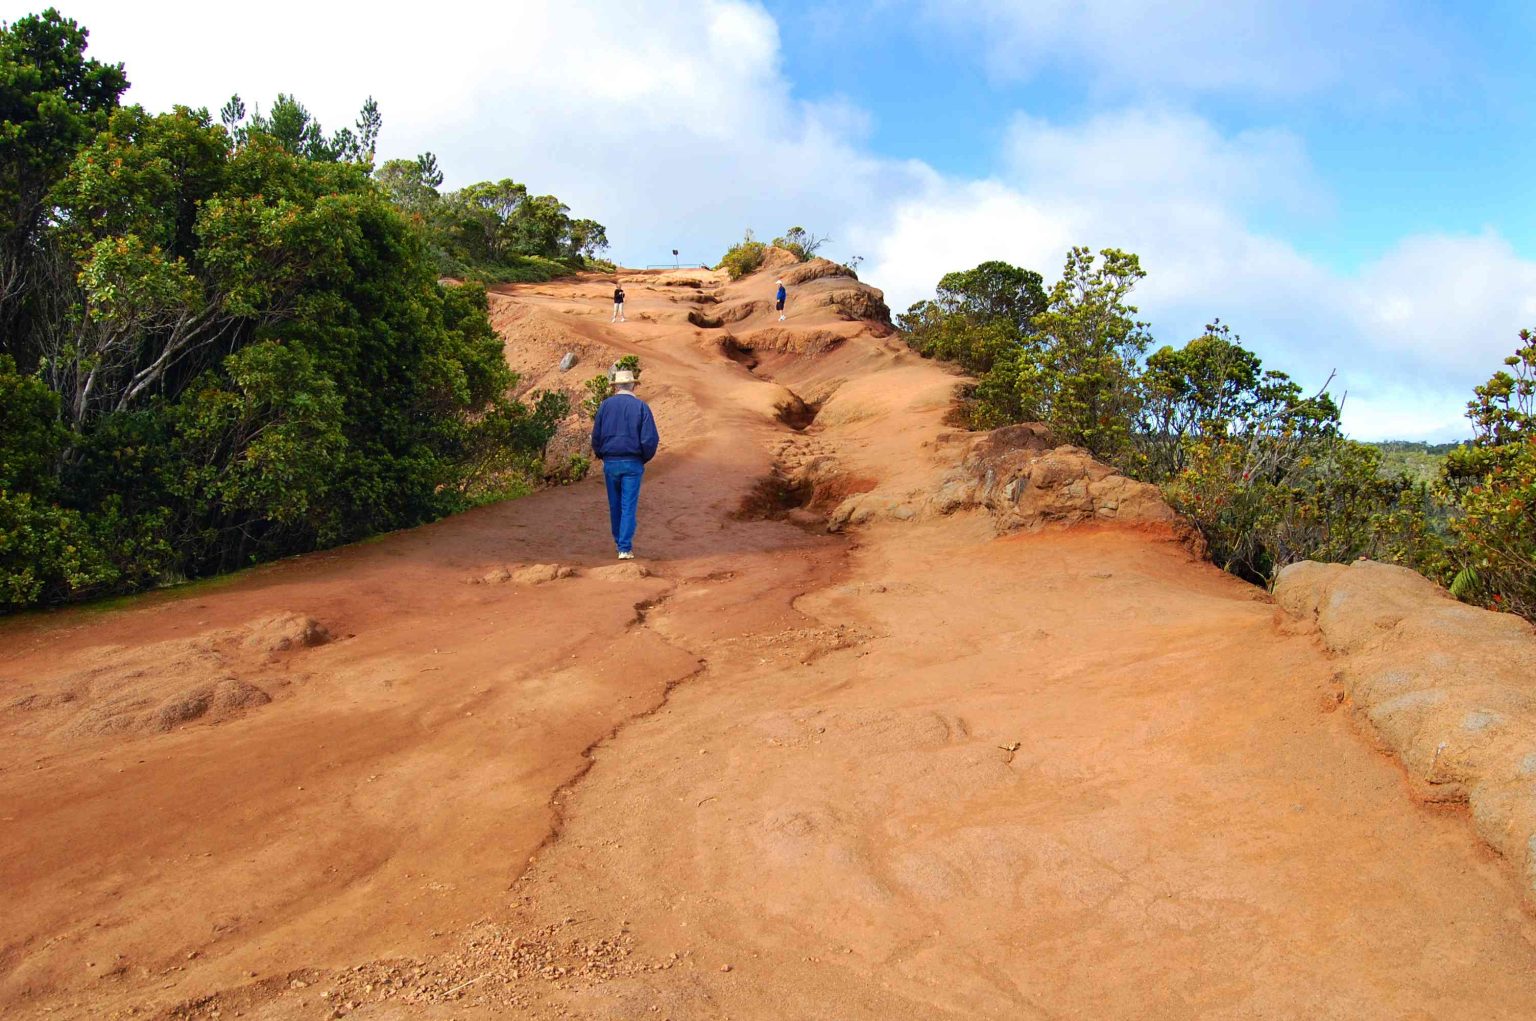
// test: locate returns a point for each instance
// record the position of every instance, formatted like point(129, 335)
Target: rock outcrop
point(1020, 475)
point(1448, 688)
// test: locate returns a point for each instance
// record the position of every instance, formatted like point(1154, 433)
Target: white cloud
point(1441, 302)
point(1409, 334)
point(1133, 152)
point(676, 126)
point(1270, 48)
point(672, 124)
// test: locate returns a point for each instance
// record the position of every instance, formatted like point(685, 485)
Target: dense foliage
point(223, 342)
point(1256, 462)
point(1493, 481)
point(493, 231)
point(1420, 461)
point(746, 255)
point(800, 243)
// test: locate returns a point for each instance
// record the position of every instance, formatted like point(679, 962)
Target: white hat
point(625, 376)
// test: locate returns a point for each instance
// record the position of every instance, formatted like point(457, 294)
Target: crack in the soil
point(560, 798)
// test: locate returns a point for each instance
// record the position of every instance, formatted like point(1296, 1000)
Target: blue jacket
point(624, 427)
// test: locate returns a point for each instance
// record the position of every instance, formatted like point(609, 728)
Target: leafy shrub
point(1493, 482)
point(1267, 500)
point(1257, 465)
point(1069, 357)
point(574, 469)
point(493, 231)
point(247, 352)
point(743, 257)
point(599, 388)
point(801, 243)
point(48, 550)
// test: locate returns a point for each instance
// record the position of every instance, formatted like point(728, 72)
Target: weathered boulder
point(1448, 688)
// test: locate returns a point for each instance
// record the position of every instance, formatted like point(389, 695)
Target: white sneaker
point(781, 319)
point(626, 556)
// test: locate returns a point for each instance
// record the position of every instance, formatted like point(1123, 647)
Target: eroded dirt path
point(916, 771)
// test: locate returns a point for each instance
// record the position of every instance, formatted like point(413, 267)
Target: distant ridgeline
point(1258, 463)
point(1419, 461)
point(226, 342)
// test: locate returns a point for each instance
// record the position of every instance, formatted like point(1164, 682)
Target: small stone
point(725, 967)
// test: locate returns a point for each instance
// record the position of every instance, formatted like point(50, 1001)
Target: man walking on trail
point(624, 438)
point(618, 304)
point(779, 300)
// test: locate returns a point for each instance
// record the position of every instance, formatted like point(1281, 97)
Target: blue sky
point(1346, 184)
point(1441, 141)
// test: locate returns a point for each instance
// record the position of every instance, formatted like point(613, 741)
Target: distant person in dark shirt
point(624, 438)
point(618, 304)
point(779, 300)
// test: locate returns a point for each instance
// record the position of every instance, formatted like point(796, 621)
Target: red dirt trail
point(912, 771)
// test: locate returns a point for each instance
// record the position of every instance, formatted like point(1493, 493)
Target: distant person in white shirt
point(618, 304)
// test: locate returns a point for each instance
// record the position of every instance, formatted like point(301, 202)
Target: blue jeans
point(623, 475)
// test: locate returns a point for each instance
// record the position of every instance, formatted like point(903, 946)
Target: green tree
point(994, 291)
point(1492, 480)
point(1214, 388)
point(53, 100)
point(412, 185)
point(801, 243)
point(978, 318)
point(251, 357)
point(1078, 368)
point(587, 239)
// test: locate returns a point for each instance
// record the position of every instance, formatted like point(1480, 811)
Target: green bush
point(1254, 462)
point(599, 389)
point(801, 243)
point(247, 352)
point(1492, 481)
point(744, 257)
point(1069, 357)
point(493, 231)
point(1264, 501)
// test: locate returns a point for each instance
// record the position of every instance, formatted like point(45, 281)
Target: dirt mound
point(157, 687)
point(283, 632)
point(777, 260)
point(1012, 473)
point(628, 571)
point(1448, 688)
